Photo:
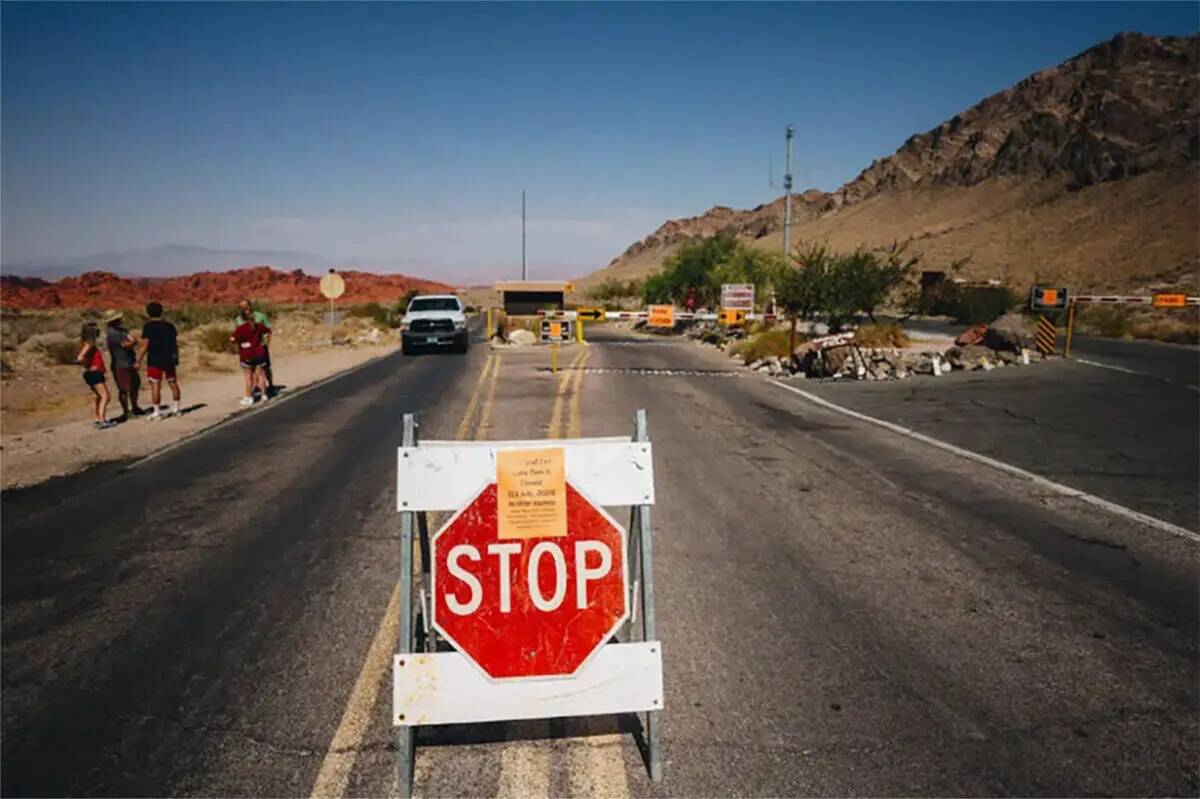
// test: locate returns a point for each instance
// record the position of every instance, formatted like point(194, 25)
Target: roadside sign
point(738, 296)
point(1048, 298)
point(556, 330)
point(521, 606)
point(529, 582)
point(590, 314)
point(332, 285)
point(661, 316)
point(1162, 300)
point(733, 316)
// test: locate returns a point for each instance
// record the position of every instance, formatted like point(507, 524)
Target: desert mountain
point(103, 290)
point(1086, 172)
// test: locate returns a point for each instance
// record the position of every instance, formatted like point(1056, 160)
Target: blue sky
point(401, 135)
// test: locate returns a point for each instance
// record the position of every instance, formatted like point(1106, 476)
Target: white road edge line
point(1135, 372)
point(1044, 482)
point(254, 411)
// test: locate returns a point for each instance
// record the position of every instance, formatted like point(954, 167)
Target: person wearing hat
point(124, 367)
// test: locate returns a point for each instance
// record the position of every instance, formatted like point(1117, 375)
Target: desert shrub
point(61, 352)
point(373, 311)
point(881, 336)
point(974, 305)
point(1110, 321)
point(772, 342)
point(1171, 330)
point(193, 315)
point(216, 339)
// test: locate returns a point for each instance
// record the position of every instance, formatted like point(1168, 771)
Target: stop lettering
point(535, 607)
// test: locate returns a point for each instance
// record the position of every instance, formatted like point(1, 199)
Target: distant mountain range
point(166, 261)
point(179, 259)
point(105, 290)
point(1086, 172)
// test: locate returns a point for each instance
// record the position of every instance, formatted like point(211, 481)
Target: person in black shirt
point(160, 350)
point(123, 358)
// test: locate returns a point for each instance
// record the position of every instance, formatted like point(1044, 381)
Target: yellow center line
point(574, 418)
point(356, 717)
point(483, 429)
point(555, 428)
point(464, 427)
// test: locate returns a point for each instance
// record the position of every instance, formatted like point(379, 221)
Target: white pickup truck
point(434, 321)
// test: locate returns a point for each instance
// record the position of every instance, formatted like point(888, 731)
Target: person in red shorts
point(122, 357)
point(160, 351)
point(251, 338)
point(92, 360)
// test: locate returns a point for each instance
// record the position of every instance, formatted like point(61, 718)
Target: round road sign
point(332, 285)
point(529, 607)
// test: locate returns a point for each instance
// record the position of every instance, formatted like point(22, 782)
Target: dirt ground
point(45, 417)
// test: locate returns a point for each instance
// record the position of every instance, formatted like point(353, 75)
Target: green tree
point(804, 291)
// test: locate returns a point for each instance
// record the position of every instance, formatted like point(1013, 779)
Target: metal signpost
point(332, 286)
point(527, 599)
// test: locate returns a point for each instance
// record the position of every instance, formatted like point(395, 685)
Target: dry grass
point(771, 342)
point(1175, 327)
point(881, 336)
point(215, 339)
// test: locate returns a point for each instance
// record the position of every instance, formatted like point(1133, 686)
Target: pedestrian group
point(158, 349)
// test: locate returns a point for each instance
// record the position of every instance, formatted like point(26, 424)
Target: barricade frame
point(417, 635)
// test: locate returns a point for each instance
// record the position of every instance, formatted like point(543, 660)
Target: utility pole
point(787, 187)
point(524, 273)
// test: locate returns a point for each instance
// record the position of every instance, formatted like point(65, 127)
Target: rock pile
point(1004, 343)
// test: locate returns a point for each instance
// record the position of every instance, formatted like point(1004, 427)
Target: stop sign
point(528, 607)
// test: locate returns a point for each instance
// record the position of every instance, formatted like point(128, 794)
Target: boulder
point(972, 335)
point(837, 358)
point(521, 337)
point(1011, 332)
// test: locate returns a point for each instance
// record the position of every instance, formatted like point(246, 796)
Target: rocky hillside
point(106, 290)
point(1098, 141)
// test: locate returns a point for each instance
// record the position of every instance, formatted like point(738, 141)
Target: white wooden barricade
point(433, 684)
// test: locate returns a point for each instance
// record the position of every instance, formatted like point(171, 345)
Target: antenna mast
point(787, 187)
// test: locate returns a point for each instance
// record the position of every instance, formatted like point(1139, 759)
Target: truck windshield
point(434, 304)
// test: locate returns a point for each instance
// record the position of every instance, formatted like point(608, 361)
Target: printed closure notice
point(531, 493)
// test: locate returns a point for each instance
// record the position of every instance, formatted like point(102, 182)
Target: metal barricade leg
point(406, 736)
point(649, 633)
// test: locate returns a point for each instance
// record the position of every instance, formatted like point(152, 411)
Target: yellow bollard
point(579, 331)
point(554, 358)
point(489, 324)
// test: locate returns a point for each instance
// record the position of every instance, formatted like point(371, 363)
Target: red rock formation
point(106, 290)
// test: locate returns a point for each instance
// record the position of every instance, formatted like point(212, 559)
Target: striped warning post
point(1047, 336)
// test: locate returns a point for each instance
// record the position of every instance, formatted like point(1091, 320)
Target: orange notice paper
point(531, 493)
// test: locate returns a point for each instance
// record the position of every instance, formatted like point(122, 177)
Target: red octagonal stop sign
point(536, 607)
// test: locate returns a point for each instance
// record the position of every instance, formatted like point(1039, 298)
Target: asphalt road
point(843, 610)
point(1172, 363)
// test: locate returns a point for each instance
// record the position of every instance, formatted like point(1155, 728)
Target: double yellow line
point(492, 367)
point(339, 759)
point(568, 394)
point(356, 718)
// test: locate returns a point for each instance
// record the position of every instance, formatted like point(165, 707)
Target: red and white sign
point(529, 607)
